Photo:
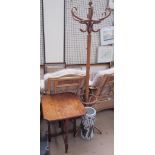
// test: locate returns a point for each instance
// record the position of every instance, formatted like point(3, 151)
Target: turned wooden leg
point(62, 127)
point(41, 112)
point(49, 132)
point(60, 124)
point(74, 127)
point(66, 135)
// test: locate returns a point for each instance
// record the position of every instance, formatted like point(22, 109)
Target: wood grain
point(61, 106)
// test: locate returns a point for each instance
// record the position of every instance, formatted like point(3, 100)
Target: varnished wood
point(89, 23)
point(61, 106)
point(88, 65)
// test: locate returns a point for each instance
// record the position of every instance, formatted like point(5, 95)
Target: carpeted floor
point(99, 145)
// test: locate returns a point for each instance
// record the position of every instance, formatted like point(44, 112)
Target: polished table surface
point(61, 106)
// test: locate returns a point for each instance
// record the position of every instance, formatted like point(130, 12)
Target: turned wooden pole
point(88, 65)
point(89, 22)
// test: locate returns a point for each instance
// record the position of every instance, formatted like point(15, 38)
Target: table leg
point(66, 135)
point(41, 111)
point(60, 124)
point(49, 132)
point(62, 127)
point(74, 127)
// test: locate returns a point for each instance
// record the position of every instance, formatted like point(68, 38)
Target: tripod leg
point(99, 131)
point(77, 131)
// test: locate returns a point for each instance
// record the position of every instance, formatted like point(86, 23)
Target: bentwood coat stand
point(89, 22)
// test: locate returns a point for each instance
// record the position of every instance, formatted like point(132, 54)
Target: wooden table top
point(61, 106)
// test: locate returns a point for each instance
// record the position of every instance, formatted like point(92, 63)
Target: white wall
point(54, 30)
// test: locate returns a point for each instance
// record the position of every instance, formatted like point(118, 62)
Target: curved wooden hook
point(83, 30)
point(95, 30)
point(75, 17)
point(105, 16)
